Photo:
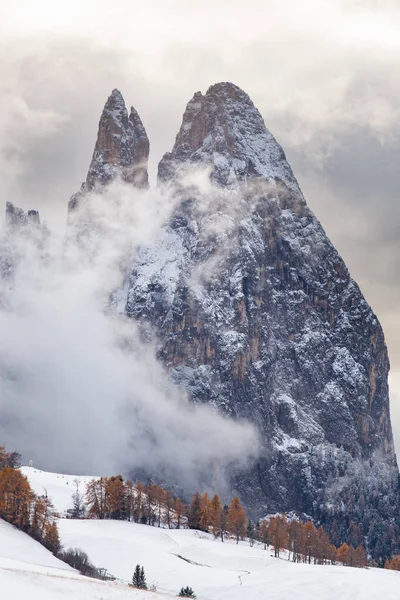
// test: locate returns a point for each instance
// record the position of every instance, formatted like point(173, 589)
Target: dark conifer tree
point(139, 578)
point(187, 592)
point(194, 512)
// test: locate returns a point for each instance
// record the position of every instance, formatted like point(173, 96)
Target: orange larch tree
point(215, 515)
point(115, 497)
point(16, 498)
point(278, 533)
point(96, 498)
point(342, 554)
point(236, 519)
point(204, 512)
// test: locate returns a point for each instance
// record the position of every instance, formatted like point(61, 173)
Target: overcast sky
point(325, 75)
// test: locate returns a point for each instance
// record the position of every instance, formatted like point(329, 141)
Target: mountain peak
point(121, 150)
point(122, 146)
point(224, 130)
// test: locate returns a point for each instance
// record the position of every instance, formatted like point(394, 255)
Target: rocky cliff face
point(121, 150)
point(255, 312)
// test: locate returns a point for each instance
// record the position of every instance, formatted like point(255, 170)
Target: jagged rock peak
point(223, 129)
point(16, 217)
point(122, 146)
point(121, 150)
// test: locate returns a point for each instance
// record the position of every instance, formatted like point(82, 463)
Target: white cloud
point(79, 390)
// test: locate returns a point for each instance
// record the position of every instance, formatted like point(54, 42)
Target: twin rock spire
point(221, 129)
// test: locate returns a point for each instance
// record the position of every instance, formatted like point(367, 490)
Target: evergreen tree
point(224, 521)
point(139, 578)
point(180, 508)
point(194, 511)
point(251, 532)
point(78, 505)
point(143, 579)
point(187, 592)
point(263, 532)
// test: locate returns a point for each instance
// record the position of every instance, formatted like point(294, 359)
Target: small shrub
point(187, 592)
point(79, 560)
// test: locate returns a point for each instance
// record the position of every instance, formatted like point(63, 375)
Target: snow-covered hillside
point(215, 570)
point(56, 486)
point(28, 570)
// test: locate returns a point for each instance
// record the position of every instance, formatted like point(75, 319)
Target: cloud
point(79, 390)
point(314, 71)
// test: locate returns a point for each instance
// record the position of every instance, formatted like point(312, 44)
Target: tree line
point(21, 507)
point(151, 504)
point(309, 544)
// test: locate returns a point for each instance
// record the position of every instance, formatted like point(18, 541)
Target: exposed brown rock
point(121, 150)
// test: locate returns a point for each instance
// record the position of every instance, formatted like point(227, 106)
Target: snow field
point(216, 571)
point(28, 570)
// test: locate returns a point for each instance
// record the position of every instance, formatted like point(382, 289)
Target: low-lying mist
point(80, 392)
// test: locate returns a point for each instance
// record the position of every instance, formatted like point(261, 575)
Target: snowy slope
point(26, 585)
point(58, 487)
point(28, 570)
point(218, 571)
point(19, 551)
point(215, 570)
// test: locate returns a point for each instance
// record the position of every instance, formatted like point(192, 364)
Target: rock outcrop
point(23, 238)
point(255, 312)
point(17, 218)
point(121, 150)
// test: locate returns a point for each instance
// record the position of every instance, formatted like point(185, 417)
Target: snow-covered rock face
point(256, 312)
point(223, 129)
point(121, 150)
